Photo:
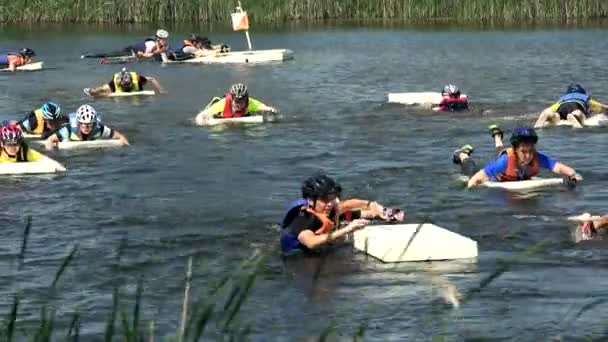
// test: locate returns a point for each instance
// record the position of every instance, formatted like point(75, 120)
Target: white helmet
point(162, 34)
point(86, 114)
point(451, 89)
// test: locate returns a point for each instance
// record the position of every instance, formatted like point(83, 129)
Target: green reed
point(270, 11)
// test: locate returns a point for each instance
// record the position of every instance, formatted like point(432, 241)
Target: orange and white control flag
point(240, 21)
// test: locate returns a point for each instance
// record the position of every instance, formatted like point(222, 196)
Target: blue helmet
point(576, 88)
point(50, 111)
point(523, 134)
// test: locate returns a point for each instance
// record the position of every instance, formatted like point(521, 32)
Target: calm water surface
point(217, 194)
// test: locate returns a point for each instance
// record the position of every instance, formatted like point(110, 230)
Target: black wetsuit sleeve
point(112, 86)
point(31, 119)
point(142, 81)
point(304, 221)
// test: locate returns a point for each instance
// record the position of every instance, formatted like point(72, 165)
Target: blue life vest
point(579, 98)
point(289, 242)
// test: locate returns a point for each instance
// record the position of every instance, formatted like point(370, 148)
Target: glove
point(570, 181)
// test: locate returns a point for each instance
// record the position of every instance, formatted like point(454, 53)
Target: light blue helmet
point(50, 111)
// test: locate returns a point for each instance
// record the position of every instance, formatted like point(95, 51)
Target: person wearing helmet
point(236, 103)
point(591, 227)
point(43, 121)
point(153, 46)
point(574, 106)
point(14, 148)
point(84, 125)
point(452, 100)
point(124, 81)
point(519, 162)
point(310, 223)
point(12, 60)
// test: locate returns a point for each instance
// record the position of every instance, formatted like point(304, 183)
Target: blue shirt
point(500, 165)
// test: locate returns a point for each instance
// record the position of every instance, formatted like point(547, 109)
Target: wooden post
point(240, 9)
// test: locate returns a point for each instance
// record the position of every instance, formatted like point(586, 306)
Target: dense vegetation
point(197, 11)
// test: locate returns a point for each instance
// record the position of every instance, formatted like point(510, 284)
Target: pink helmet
point(11, 134)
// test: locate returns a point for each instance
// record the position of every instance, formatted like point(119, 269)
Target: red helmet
point(11, 134)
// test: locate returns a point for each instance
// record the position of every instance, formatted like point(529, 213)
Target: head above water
point(451, 90)
point(86, 115)
point(124, 79)
point(162, 34)
point(11, 134)
point(576, 88)
point(50, 111)
point(320, 186)
point(239, 91)
point(27, 52)
point(523, 135)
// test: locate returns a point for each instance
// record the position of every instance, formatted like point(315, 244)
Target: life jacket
point(75, 132)
point(512, 173)
point(20, 157)
point(289, 242)
point(134, 82)
point(228, 107)
point(187, 42)
point(5, 60)
point(579, 98)
point(141, 46)
point(453, 104)
point(40, 126)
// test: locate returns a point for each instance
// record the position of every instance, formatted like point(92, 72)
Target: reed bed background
point(272, 11)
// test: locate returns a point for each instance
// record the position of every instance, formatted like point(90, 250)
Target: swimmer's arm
point(563, 170)
point(601, 223)
point(596, 106)
point(156, 84)
point(369, 209)
point(312, 241)
point(51, 142)
point(119, 136)
point(478, 178)
point(101, 91)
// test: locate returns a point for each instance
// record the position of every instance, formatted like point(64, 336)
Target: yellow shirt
point(32, 155)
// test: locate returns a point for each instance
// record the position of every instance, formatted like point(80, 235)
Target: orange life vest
point(228, 113)
point(512, 173)
point(188, 43)
point(326, 223)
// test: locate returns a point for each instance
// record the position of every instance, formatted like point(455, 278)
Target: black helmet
point(320, 185)
point(27, 52)
point(523, 135)
point(575, 88)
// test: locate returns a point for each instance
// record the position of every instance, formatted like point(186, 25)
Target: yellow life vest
point(39, 122)
point(20, 157)
point(134, 80)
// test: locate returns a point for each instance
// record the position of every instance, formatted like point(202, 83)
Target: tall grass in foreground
point(217, 310)
point(178, 11)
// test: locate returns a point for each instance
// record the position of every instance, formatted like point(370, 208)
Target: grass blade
point(64, 265)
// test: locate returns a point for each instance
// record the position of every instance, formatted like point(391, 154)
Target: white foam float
point(133, 93)
point(597, 120)
point(206, 120)
point(240, 57)
point(413, 242)
point(71, 145)
point(27, 67)
point(585, 217)
point(32, 136)
point(415, 98)
point(45, 165)
point(534, 183)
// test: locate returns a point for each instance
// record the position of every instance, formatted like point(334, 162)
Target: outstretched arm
point(51, 142)
point(156, 84)
point(119, 136)
point(478, 178)
point(104, 90)
point(564, 170)
point(313, 241)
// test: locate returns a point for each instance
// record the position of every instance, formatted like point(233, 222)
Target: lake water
point(217, 194)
